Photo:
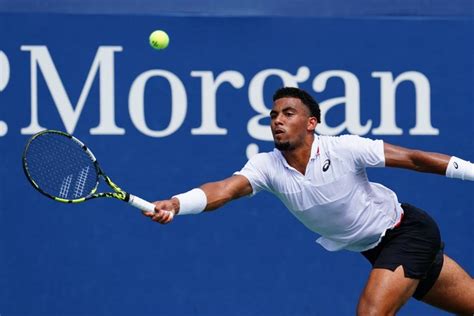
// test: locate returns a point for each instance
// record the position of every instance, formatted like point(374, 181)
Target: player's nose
point(278, 120)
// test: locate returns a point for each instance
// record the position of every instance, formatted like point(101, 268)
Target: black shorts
point(416, 245)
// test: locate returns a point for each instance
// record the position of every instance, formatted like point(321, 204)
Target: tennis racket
point(61, 167)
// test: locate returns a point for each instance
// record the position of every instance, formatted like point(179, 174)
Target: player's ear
point(312, 122)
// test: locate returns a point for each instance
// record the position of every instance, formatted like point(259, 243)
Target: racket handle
point(141, 204)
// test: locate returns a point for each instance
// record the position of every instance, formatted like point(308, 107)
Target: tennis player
point(322, 180)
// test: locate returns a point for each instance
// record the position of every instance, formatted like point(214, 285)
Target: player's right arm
point(207, 197)
point(220, 192)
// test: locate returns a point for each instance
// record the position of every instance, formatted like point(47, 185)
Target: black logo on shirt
point(326, 165)
point(455, 165)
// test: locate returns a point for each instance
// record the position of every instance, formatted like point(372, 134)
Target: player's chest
point(323, 173)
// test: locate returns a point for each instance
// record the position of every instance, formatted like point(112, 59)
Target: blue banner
point(163, 122)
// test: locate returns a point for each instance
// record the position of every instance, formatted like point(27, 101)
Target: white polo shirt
point(334, 198)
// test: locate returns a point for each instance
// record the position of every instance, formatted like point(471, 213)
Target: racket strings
point(60, 166)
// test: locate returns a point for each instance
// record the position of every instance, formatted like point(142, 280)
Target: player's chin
point(282, 145)
point(278, 138)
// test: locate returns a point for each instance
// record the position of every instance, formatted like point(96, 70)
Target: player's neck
point(298, 157)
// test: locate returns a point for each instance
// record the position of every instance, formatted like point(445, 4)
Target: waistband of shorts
point(397, 224)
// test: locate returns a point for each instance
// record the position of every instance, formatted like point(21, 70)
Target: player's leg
point(406, 263)
point(453, 291)
point(386, 292)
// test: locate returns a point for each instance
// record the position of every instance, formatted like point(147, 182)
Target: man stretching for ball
point(323, 182)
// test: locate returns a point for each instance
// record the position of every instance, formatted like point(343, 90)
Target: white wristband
point(461, 169)
point(192, 202)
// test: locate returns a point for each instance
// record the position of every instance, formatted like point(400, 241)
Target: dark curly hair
point(305, 97)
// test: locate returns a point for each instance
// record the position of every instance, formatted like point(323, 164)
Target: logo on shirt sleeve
point(326, 165)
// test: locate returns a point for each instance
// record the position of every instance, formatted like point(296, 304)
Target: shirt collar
point(315, 147)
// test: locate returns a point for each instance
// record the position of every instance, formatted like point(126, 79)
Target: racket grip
point(141, 204)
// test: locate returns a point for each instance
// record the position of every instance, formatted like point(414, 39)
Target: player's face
point(290, 123)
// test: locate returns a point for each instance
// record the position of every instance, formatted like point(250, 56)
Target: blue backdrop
point(160, 124)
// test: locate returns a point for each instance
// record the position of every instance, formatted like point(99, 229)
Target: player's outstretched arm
point(422, 161)
point(209, 196)
point(221, 192)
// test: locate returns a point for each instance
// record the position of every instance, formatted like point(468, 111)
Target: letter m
point(103, 61)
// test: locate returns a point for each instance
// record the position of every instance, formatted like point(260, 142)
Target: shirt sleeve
point(366, 152)
point(255, 171)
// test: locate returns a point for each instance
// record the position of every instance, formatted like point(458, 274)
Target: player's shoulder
point(266, 161)
point(265, 158)
point(345, 139)
point(345, 144)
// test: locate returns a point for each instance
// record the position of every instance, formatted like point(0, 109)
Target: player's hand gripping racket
point(61, 167)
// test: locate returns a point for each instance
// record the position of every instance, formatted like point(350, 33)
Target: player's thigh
point(453, 291)
point(386, 292)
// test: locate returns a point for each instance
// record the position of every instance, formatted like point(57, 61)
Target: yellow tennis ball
point(159, 39)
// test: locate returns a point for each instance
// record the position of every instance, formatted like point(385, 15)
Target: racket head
point(61, 167)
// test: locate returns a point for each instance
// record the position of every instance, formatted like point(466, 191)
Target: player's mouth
point(278, 131)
